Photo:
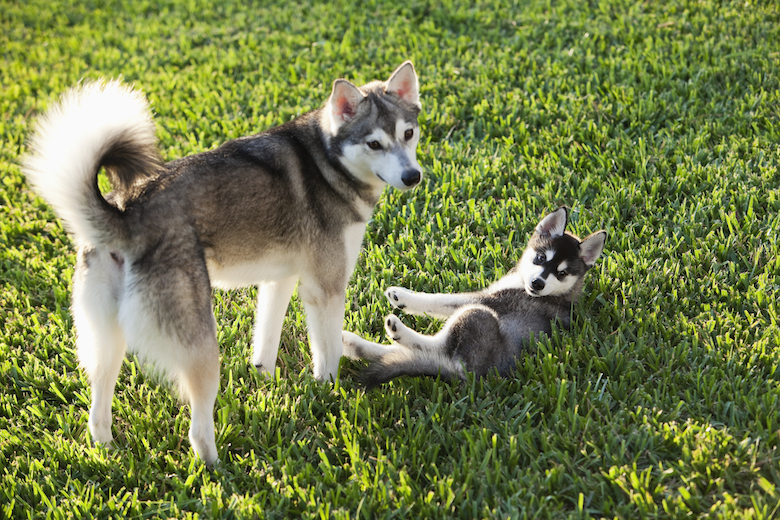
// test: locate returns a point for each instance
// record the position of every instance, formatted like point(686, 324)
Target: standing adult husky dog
point(486, 330)
point(286, 205)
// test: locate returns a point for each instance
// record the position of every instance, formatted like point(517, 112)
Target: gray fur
point(487, 330)
point(286, 205)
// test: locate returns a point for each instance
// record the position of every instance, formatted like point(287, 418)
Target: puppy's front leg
point(437, 305)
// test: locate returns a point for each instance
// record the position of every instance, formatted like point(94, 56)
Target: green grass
point(659, 121)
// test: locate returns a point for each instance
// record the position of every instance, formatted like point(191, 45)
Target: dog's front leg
point(272, 301)
point(325, 318)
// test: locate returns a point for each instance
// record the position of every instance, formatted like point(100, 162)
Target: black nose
point(411, 177)
point(537, 284)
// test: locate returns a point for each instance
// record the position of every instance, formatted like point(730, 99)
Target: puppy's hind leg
point(356, 347)
point(477, 341)
point(272, 301)
point(412, 339)
point(100, 343)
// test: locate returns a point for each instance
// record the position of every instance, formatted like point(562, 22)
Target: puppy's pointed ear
point(343, 103)
point(403, 82)
point(554, 224)
point(591, 247)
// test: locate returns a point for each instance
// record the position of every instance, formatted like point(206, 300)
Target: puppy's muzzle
point(537, 284)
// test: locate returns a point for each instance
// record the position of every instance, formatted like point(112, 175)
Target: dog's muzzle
point(411, 177)
point(537, 284)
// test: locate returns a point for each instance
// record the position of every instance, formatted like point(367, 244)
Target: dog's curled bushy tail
point(99, 124)
point(410, 362)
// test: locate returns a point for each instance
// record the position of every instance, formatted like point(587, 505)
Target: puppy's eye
point(540, 259)
point(374, 145)
point(408, 134)
point(563, 274)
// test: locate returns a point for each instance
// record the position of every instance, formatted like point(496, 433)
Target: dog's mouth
point(406, 183)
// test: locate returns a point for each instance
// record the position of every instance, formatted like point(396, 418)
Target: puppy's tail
point(409, 362)
point(100, 124)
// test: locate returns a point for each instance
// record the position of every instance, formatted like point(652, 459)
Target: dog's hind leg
point(168, 321)
point(272, 301)
point(100, 343)
point(199, 384)
point(187, 352)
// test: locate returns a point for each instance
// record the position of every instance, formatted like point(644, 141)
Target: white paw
point(351, 344)
point(101, 435)
point(394, 327)
point(265, 371)
point(349, 338)
point(203, 444)
point(398, 297)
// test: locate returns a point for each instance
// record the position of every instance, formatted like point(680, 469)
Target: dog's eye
point(374, 145)
point(540, 259)
point(408, 134)
point(563, 274)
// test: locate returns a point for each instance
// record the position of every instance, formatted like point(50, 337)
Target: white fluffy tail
point(99, 124)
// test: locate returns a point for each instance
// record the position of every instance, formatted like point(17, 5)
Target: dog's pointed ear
point(403, 83)
point(591, 247)
point(554, 224)
point(343, 103)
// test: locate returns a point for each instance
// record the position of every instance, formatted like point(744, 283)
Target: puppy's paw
point(352, 344)
point(350, 338)
point(356, 347)
point(398, 297)
point(394, 327)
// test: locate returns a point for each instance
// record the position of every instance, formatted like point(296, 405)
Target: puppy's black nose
point(537, 284)
point(411, 177)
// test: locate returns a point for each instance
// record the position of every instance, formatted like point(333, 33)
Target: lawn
point(658, 121)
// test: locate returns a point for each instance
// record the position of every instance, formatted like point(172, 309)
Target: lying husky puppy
point(270, 209)
point(486, 330)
